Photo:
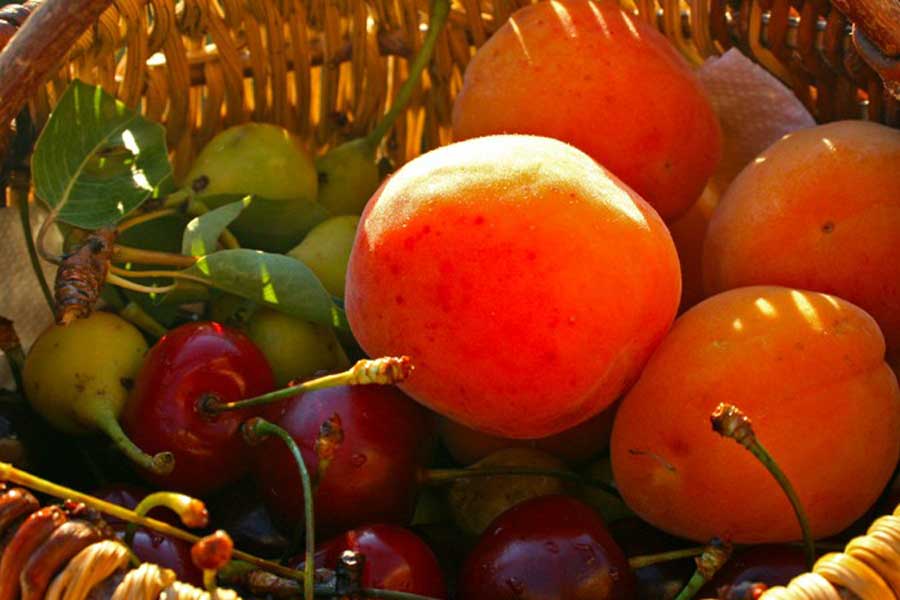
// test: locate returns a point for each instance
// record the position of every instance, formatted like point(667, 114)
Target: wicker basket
point(328, 68)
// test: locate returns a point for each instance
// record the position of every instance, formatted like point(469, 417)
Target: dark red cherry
point(396, 559)
point(372, 477)
point(768, 564)
point(150, 546)
point(547, 548)
point(164, 410)
point(241, 512)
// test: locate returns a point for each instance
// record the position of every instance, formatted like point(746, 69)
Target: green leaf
point(97, 160)
point(202, 232)
point(279, 281)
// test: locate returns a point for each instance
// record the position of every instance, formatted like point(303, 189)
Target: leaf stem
point(12, 474)
point(258, 428)
point(127, 254)
point(383, 371)
point(18, 191)
point(42, 236)
point(145, 274)
point(136, 287)
point(144, 218)
point(439, 11)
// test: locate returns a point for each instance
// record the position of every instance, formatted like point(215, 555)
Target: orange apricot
point(808, 369)
point(688, 232)
point(608, 83)
point(574, 446)
point(528, 284)
point(818, 210)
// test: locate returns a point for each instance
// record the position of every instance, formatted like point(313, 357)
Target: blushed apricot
point(809, 371)
point(528, 285)
point(818, 210)
point(609, 84)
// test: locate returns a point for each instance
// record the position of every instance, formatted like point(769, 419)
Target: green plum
point(476, 501)
point(348, 173)
point(271, 164)
point(78, 378)
point(295, 348)
point(326, 251)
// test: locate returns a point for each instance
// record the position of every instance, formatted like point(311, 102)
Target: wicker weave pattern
point(328, 68)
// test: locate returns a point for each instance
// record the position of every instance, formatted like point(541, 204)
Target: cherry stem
point(161, 463)
point(133, 313)
point(209, 581)
point(728, 421)
point(714, 556)
point(255, 430)
point(144, 218)
point(191, 511)
point(442, 476)
point(11, 474)
point(380, 371)
point(128, 254)
point(391, 594)
point(439, 11)
point(647, 560)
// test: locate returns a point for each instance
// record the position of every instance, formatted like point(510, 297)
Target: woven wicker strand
point(328, 69)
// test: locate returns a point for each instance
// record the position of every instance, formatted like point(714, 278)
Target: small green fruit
point(477, 501)
point(348, 176)
point(270, 163)
point(78, 377)
point(295, 348)
point(326, 251)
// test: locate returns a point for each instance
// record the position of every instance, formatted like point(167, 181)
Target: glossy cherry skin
point(396, 559)
point(164, 413)
point(240, 511)
point(373, 475)
point(768, 564)
point(150, 546)
point(547, 548)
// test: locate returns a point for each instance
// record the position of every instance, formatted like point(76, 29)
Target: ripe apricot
point(528, 284)
point(818, 210)
point(808, 369)
point(593, 76)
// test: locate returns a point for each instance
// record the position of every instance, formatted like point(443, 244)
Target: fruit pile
point(473, 375)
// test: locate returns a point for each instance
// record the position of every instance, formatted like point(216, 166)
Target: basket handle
point(38, 47)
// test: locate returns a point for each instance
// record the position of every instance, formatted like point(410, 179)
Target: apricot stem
point(144, 218)
point(442, 476)
point(161, 463)
point(257, 429)
point(133, 313)
point(728, 421)
point(381, 371)
point(127, 254)
point(648, 560)
point(11, 474)
point(714, 556)
point(439, 11)
point(191, 511)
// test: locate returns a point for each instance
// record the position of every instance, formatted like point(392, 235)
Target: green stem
point(392, 595)
point(191, 511)
point(443, 476)
point(20, 197)
point(177, 198)
point(384, 371)
point(639, 562)
point(135, 314)
point(693, 586)
point(439, 11)
point(711, 559)
point(209, 581)
point(161, 464)
point(258, 428)
point(729, 421)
